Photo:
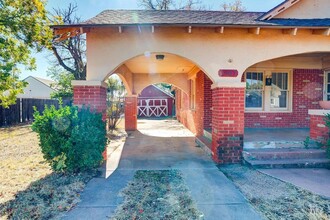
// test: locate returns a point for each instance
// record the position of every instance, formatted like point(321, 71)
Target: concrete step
point(274, 154)
point(205, 144)
point(289, 163)
point(207, 134)
point(278, 144)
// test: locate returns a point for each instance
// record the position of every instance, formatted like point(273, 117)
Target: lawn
point(163, 196)
point(28, 187)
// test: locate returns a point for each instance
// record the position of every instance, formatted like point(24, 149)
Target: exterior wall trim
point(318, 112)
point(228, 84)
point(89, 83)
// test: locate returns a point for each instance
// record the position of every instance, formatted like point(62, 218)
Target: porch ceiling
point(149, 64)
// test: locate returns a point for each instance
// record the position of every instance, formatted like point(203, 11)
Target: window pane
point(328, 88)
point(253, 99)
point(328, 96)
point(328, 77)
point(254, 81)
point(280, 80)
point(278, 99)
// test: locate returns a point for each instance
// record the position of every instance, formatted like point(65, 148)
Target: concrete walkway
point(161, 145)
point(314, 180)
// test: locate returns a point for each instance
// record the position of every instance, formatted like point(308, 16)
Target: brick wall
point(130, 113)
point(96, 98)
point(192, 119)
point(318, 130)
point(228, 124)
point(93, 96)
point(307, 91)
point(207, 102)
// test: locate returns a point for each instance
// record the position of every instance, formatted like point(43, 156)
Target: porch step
point(289, 163)
point(205, 144)
point(278, 144)
point(286, 158)
point(274, 154)
point(207, 134)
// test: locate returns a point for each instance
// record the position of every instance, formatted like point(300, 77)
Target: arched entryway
point(281, 93)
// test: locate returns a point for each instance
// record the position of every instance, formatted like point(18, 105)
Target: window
point(275, 97)
point(254, 89)
point(327, 86)
point(192, 93)
point(279, 91)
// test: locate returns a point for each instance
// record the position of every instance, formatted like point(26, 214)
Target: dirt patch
point(28, 187)
point(275, 199)
point(157, 195)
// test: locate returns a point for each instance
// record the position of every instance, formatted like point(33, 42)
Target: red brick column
point(227, 124)
point(92, 94)
point(318, 131)
point(130, 113)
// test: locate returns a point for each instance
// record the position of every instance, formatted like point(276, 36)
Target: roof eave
point(187, 24)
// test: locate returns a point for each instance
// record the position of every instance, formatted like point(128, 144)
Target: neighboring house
point(37, 88)
point(231, 70)
point(155, 102)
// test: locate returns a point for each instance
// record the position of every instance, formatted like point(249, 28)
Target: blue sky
point(90, 8)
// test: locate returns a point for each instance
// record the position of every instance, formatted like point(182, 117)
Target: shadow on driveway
point(163, 145)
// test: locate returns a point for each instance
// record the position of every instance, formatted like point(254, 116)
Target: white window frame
point(262, 93)
point(266, 96)
point(325, 85)
point(192, 95)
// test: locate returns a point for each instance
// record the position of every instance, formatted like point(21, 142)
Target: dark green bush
point(327, 123)
point(71, 139)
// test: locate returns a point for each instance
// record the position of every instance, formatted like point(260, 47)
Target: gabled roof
point(46, 82)
point(278, 9)
point(204, 18)
point(163, 91)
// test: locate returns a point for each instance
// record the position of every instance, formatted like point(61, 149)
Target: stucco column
point(228, 122)
point(131, 113)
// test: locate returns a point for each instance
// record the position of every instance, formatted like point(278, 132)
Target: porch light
point(160, 56)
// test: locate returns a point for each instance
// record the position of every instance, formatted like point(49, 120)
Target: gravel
point(275, 199)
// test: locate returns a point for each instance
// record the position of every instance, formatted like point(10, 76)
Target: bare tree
point(171, 4)
point(235, 6)
point(70, 53)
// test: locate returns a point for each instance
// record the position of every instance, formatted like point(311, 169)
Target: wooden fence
point(22, 111)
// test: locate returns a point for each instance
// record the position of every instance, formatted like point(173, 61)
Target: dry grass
point(28, 187)
point(275, 199)
point(157, 195)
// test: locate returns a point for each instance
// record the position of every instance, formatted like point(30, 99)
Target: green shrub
point(327, 123)
point(71, 139)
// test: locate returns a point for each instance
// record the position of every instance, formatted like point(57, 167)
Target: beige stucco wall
point(291, 62)
point(307, 9)
point(36, 89)
point(108, 49)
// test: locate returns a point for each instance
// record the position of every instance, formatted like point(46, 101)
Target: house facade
point(231, 70)
point(37, 88)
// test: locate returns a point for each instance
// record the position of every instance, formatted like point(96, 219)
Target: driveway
point(162, 145)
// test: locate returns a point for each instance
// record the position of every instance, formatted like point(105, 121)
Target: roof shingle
point(180, 17)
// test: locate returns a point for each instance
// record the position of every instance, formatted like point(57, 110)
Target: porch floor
point(275, 134)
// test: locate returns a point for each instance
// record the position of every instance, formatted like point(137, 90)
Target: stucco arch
point(210, 51)
point(308, 60)
point(163, 71)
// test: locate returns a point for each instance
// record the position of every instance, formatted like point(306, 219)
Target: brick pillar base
point(131, 113)
point(227, 124)
point(92, 94)
point(318, 130)
point(94, 97)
